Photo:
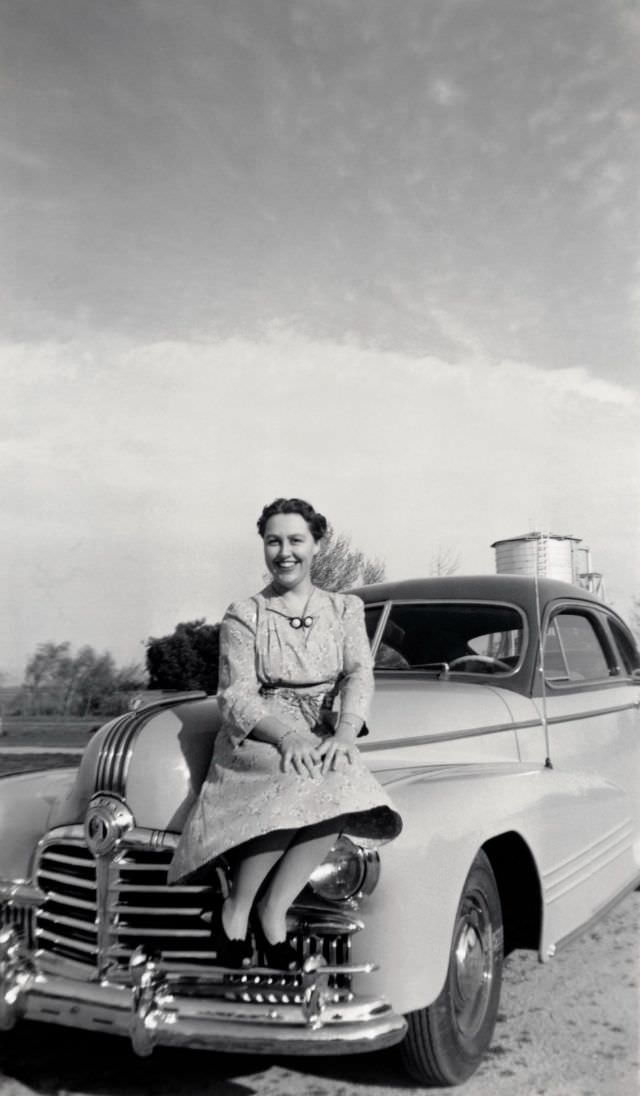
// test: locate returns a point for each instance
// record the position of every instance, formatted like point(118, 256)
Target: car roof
point(517, 589)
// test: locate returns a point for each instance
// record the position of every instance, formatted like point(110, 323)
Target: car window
point(467, 637)
point(573, 650)
point(629, 658)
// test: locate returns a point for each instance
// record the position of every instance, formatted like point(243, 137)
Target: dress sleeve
point(356, 686)
point(238, 685)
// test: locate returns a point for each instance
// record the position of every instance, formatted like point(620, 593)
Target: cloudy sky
point(381, 255)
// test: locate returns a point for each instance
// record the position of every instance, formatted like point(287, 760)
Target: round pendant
point(301, 622)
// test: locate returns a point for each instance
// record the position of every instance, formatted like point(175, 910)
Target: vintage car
point(514, 763)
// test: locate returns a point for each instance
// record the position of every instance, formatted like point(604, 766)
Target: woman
point(285, 779)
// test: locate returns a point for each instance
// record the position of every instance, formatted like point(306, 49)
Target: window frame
point(611, 622)
point(594, 616)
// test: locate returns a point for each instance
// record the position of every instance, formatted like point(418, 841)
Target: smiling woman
point(286, 778)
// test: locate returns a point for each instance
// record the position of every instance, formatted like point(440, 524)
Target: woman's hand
point(298, 753)
point(334, 752)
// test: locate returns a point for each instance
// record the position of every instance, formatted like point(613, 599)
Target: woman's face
point(289, 550)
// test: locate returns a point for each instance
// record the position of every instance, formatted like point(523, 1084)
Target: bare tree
point(445, 560)
point(58, 683)
point(338, 566)
point(44, 673)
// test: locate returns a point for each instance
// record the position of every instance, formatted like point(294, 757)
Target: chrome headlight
point(348, 870)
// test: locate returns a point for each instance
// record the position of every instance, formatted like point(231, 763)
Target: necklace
point(303, 620)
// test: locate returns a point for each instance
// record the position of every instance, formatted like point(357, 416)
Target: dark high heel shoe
point(228, 952)
point(280, 956)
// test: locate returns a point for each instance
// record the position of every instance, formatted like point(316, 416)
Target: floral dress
point(269, 668)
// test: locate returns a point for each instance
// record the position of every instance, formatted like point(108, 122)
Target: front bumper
point(303, 1016)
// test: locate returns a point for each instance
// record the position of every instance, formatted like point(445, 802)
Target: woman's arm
point(356, 688)
point(239, 697)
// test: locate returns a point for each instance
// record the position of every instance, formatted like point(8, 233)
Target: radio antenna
point(540, 659)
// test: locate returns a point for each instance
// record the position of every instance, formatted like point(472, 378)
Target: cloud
point(569, 382)
point(131, 474)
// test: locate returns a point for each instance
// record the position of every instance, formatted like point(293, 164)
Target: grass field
point(48, 732)
point(20, 763)
point(45, 733)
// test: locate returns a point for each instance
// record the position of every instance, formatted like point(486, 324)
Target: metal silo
point(547, 554)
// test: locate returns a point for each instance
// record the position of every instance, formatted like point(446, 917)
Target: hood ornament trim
point(107, 820)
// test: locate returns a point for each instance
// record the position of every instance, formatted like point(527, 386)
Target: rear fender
point(26, 803)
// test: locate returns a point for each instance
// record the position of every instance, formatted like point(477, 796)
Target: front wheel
point(445, 1042)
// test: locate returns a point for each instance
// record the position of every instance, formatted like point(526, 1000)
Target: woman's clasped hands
point(314, 761)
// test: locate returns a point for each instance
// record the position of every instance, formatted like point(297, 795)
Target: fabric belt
point(300, 694)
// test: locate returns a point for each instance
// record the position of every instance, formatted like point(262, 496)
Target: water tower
point(551, 555)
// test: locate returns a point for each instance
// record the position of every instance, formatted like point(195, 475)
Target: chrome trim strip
point(142, 718)
point(572, 871)
point(78, 945)
point(64, 858)
point(592, 713)
point(70, 922)
point(118, 757)
point(622, 828)
point(117, 748)
point(75, 903)
point(595, 918)
point(85, 884)
point(426, 739)
point(106, 749)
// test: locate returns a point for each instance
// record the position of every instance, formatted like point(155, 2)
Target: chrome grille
point(16, 917)
point(65, 924)
point(138, 909)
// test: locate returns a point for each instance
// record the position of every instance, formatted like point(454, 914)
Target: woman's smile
point(289, 549)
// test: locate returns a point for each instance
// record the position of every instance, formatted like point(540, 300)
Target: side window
point(629, 658)
point(573, 650)
point(457, 637)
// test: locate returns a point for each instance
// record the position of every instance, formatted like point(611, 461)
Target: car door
point(591, 704)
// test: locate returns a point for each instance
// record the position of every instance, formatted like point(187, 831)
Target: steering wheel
point(496, 664)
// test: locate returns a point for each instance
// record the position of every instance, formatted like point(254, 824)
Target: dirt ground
point(568, 1028)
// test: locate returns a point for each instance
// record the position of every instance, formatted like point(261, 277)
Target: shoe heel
point(228, 952)
point(281, 956)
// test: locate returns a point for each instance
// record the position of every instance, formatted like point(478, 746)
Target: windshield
point(455, 637)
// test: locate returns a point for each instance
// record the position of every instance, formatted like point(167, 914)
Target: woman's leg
point(305, 851)
point(258, 858)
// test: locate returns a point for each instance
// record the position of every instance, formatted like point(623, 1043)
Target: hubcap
point(472, 965)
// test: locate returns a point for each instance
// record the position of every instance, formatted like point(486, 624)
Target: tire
point(445, 1042)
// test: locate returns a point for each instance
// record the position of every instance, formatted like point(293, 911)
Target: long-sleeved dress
point(269, 668)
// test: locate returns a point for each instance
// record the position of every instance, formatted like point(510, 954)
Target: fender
point(449, 813)
point(26, 804)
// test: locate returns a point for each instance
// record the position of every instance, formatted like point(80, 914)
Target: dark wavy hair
point(317, 522)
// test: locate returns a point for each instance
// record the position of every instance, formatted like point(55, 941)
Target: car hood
point(415, 721)
point(156, 759)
